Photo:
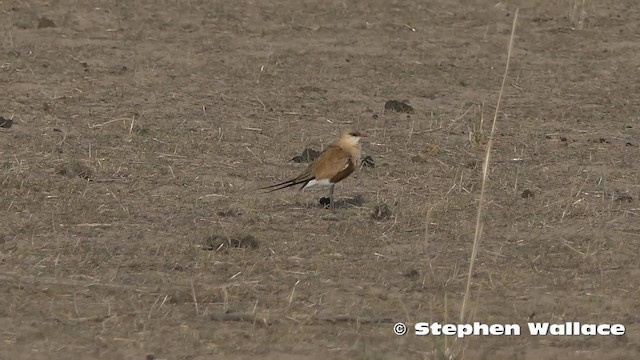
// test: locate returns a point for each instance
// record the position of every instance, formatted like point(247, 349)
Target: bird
point(334, 164)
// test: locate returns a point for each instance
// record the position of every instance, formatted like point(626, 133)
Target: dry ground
point(143, 128)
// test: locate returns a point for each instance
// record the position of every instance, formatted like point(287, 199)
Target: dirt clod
point(44, 22)
point(308, 155)
point(325, 202)
point(367, 161)
point(357, 200)
point(5, 123)
point(229, 213)
point(623, 196)
point(381, 212)
point(398, 106)
point(412, 274)
point(527, 194)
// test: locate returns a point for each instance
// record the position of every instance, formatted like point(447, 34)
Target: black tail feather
point(284, 185)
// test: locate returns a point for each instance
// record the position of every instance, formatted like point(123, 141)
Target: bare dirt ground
point(141, 131)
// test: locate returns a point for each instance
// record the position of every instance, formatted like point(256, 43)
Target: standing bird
point(335, 163)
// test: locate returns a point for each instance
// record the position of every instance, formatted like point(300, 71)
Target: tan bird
point(334, 164)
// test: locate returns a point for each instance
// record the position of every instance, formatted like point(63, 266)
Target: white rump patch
point(323, 182)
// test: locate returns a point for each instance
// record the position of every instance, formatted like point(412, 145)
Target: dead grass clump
point(430, 151)
point(75, 169)
point(578, 14)
point(477, 137)
point(218, 242)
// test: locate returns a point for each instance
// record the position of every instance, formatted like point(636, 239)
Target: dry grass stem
point(485, 170)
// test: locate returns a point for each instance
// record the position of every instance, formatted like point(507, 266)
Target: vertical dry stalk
point(578, 14)
point(485, 170)
point(195, 300)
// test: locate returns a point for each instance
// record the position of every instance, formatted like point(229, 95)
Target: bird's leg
point(332, 205)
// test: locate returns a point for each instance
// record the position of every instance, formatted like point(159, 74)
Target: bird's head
point(352, 136)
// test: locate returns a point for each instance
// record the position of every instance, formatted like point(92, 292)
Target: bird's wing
point(333, 164)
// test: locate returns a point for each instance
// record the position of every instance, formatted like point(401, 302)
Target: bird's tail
point(285, 184)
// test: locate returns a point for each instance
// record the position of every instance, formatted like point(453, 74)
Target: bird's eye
point(355, 133)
